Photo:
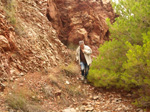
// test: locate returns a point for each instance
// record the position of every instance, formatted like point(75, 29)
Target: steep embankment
point(28, 41)
point(77, 20)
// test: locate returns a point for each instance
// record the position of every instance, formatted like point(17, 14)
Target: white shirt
point(87, 51)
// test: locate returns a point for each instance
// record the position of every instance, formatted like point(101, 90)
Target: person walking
point(83, 55)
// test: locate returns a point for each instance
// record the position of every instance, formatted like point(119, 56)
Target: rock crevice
point(77, 20)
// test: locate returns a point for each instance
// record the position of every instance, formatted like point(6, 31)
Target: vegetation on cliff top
point(124, 62)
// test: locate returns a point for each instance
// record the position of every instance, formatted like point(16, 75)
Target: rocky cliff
point(77, 20)
point(34, 33)
point(28, 41)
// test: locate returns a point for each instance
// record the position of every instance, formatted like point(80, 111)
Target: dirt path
point(101, 100)
point(57, 91)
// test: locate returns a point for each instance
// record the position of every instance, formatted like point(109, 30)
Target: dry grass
point(54, 80)
point(71, 70)
point(70, 95)
point(24, 100)
point(10, 8)
point(16, 101)
point(72, 46)
point(48, 91)
point(73, 91)
point(10, 11)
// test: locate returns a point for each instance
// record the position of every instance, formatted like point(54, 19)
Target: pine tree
point(125, 61)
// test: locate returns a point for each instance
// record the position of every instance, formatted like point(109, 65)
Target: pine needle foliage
point(124, 62)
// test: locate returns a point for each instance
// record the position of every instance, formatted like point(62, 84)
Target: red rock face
point(77, 20)
point(31, 43)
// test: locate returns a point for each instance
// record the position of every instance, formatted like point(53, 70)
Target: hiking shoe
point(85, 81)
point(82, 78)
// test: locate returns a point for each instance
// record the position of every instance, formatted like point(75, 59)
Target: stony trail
point(59, 91)
point(101, 100)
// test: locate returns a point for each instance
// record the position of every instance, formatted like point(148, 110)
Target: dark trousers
point(84, 69)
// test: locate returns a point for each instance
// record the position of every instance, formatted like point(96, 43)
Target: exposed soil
point(57, 91)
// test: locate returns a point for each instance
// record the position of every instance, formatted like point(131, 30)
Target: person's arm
point(77, 54)
point(87, 50)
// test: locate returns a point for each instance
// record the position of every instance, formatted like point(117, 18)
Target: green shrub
point(143, 101)
point(137, 67)
point(106, 68)
point(124, 62)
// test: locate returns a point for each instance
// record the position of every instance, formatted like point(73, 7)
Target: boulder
point(2, 86)
point(4, 43)
point(78, 34)
point(106, 1)
point(69, 110)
